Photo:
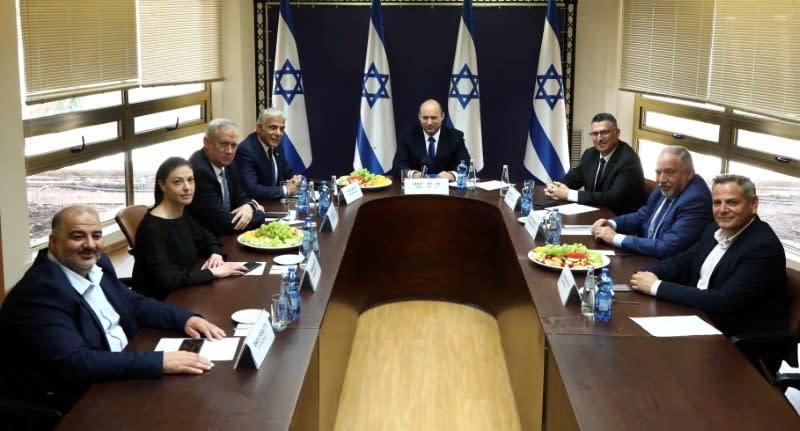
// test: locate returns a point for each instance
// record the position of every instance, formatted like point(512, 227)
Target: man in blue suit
point(440, 147)
point(678, 210)
point(65, 324)
point(220, 204)
point(735, 272)
point(261, 161)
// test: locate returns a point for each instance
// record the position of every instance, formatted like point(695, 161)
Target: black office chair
point(16, 415)
point(753, 345)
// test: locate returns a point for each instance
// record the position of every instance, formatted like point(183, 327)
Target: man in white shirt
point(735, 273)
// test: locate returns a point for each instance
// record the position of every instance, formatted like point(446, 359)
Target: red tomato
point(576, 255)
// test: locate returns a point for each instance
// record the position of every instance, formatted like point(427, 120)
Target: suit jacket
point(54, 345)
point(255, 169)
point(682, 223)
point(621, 188)
point(207, 207)
point(747, 290)
point(412, 146)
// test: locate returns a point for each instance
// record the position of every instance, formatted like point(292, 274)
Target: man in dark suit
point(678, 210)
point(610, 172)
point(261, 162)
point(219, 202)
point(735, 272)
point(442, 147)
point(65, 324)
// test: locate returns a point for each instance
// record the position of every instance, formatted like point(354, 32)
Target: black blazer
point(255, 169)
point(206, 207)
point(747, 289)
point(412, 147)
point(621, 188)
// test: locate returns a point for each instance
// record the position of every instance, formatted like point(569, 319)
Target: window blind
point(180, 41)
point(77, 47)
point(744, 54)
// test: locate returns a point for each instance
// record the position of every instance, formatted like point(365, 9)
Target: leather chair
point(649, 185)
point(753, 344)
point(128, 220)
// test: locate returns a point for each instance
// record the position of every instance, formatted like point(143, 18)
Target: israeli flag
point(464, 103)
point(547, 150)
point(288, 96)
point(376, 142)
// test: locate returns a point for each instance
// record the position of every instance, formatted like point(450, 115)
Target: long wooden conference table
point(567, 372)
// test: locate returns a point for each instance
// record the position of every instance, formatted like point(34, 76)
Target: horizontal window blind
point(666, 47)
point(743, 54)
point(180, 41)
point(77, 47)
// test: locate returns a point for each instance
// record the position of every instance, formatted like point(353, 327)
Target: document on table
point(213, 350)
point(675, 326)
point(573, 208)
point(491, 185)
point(576, 229)
point(258, 270)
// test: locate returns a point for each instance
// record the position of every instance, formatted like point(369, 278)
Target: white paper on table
point(259, 270)
point(243, 331)
point(491, 185)
point(792, 394)
point(573, 208)
point(675, 326)
point(606, 252)
point(576, 229)
point(280, 269)
point(213, 350)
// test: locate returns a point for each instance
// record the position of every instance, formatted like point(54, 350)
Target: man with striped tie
point(675, 214)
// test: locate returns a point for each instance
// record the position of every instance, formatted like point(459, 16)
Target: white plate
point(284, 247)
point(366, 187)
point(248, 315)
point(288, 259)
point(605, 261)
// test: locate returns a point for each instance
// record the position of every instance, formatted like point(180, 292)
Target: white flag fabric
point(376, 142)
point(547, 150)
point(464, 104)
point(288, 95)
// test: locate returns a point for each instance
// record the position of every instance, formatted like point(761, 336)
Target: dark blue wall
point(420, 44)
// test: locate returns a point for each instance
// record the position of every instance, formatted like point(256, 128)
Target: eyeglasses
point(600, 133)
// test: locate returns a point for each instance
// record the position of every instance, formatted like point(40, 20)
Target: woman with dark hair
point(169, 242)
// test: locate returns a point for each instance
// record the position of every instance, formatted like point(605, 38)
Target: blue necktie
point(652, 231)
point(431, 151)
point(226, 197)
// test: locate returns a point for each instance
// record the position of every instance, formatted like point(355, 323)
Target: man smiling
point(678, 210)
point(735, 272)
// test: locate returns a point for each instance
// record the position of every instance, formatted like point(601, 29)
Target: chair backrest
point(793, 286)
point(649, 185)
point(128, 220)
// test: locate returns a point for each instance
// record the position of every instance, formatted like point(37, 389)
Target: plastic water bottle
point(461, 176)
point(334, 189)
point(603, 298)
point(308, 242)
point(294, 293)
point(302, 197)
point(587, 297)
point(505, 180)
point(554, 227)
point(472, 176)
point(324, 198)
point(314, 240)
point(526, 200)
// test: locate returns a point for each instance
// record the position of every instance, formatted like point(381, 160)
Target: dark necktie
point(652, 231)
point(226, 197)
point(431, 151)
point(599, 175)
point(274, 166)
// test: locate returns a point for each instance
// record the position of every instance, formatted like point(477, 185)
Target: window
point(729, 141)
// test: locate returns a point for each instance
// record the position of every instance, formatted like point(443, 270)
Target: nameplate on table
point(427, 186)
point(512, 196)
point(256, 344)
point(312, 273)
point(352, 192)
point(331, 220)
point(532, 224)
point(567, 289)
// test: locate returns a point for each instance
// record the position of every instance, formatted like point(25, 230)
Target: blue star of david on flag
point(541, 84)
point(466, 75)
point(381, 79)
point(288, 91)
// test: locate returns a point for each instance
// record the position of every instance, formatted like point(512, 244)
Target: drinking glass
point(279, 312)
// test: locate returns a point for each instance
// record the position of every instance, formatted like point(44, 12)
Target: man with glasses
point(675, 214)
point(610, 172)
